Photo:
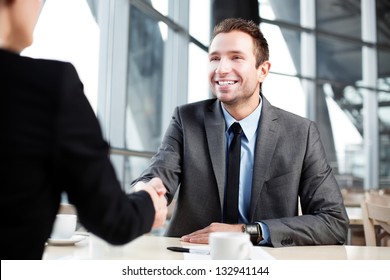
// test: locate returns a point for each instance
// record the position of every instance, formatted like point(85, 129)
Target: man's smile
point(225, 82)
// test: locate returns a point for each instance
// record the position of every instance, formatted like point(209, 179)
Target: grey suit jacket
point(290, 163)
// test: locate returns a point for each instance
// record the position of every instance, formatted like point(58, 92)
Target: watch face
point(255, 232)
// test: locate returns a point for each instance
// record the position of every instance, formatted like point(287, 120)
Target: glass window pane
point(339, 16)
point(383, 21)
point(340, 121)
point(282, 10)
point(284, 48)
point(200, 20)
point(384, 69)
point(384, 119)
point(384, 137)
point(285, 92)
point(198, 86)
point(338, 60)
point(160, 5)
point(145, 82)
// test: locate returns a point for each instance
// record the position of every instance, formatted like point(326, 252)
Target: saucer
point(66, 242)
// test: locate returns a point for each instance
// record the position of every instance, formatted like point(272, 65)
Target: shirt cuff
point(265, 234)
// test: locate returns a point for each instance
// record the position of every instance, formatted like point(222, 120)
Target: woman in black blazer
point(51, 143)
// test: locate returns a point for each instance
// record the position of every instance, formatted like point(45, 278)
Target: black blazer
point(51, 142)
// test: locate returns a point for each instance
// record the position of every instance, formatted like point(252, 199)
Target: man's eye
point(214, 58)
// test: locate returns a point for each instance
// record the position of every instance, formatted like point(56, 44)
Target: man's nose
point(224, 66)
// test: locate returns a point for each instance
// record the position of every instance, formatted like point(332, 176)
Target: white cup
point(64, 226)
point(230, 246)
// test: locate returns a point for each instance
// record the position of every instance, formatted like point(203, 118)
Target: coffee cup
point(230, 246)
point(64, 226)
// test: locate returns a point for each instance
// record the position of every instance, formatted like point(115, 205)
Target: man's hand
point(156, 190)
point(202, 235)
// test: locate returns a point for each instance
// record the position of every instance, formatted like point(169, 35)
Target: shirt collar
point(249, 124)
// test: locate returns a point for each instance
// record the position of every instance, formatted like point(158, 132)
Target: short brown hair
point(249, 27)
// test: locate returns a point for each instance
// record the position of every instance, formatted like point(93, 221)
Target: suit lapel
point(215, 133)
point(267, 136)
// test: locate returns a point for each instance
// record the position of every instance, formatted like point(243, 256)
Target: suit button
point(286, 242)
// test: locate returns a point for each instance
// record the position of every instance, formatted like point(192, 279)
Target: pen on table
point(188, 250)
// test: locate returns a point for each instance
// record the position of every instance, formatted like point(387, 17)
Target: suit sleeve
point(324, 220)
point(166, 163)
point(87, 174)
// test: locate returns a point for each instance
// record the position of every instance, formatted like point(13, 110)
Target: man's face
point(233, 76)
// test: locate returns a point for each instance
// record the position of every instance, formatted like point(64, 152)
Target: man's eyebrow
point(229, 52)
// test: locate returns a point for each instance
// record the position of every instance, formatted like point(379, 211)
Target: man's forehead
point(232, 42)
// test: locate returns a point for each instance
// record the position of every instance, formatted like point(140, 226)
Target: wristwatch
point(254, 231)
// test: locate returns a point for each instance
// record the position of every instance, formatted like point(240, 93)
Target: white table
point(154, 247)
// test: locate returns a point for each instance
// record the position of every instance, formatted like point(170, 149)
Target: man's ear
point(263, 70)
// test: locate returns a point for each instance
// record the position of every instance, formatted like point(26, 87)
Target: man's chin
point(225, 97)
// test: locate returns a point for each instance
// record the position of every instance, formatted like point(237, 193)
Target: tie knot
point(236, 128)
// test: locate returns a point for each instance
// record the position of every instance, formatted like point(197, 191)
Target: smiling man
point(280, 158)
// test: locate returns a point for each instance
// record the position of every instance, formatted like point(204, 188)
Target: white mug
point(230, 246)
point(64, 226)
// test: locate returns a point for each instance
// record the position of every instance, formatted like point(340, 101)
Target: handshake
point(156, 190)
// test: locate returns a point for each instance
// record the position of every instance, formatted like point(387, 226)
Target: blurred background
point(139, 59)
